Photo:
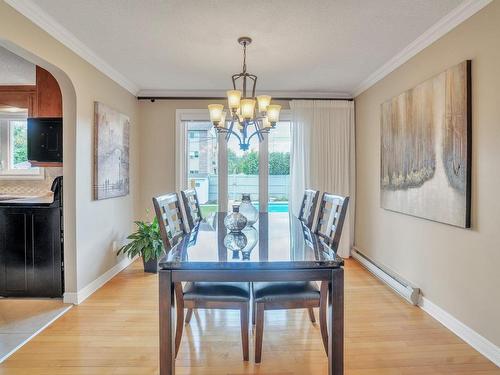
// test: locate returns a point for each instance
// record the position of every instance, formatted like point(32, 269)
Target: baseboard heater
point(400, 286)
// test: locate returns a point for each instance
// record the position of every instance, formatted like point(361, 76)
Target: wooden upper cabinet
point(22, 96)
point(49, 98)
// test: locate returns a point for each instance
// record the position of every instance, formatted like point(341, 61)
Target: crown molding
point(222, 94)
point(40, 18)
point(436, 31)
point(35, 14)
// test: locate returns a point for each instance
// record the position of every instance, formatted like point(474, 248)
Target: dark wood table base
point(334, 276)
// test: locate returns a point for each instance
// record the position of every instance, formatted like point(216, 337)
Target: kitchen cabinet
point(45, 141)
point(31, 263)
point(21, 96)
point(48, 93)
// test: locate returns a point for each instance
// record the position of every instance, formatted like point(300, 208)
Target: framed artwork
point(111, 152)
point(426, 149)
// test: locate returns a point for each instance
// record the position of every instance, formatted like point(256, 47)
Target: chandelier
point(245, 121)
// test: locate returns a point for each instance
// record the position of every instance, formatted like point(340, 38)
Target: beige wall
point(157, 145)
point(90, 226)
point(457, 269)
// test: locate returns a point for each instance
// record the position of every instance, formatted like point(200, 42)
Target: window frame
point(33, 173)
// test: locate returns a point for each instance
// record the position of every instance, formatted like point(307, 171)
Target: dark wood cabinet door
point(30, 252)
point(15, 257)
point(46, 242)
point(45, 143)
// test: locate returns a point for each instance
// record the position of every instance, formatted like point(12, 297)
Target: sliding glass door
point(279, 144)
point(243, 171)
point(221, 172)
point(202, 164)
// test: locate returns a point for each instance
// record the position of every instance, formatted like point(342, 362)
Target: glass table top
point(278, 240)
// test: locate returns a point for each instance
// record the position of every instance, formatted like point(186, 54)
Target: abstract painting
point(111, 152)
point(426, 149)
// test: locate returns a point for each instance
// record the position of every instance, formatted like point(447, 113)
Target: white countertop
point(24, 199)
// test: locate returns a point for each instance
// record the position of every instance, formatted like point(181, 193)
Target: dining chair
point(191, 207)
point(198, 295)
point(308, 207)
point(302, 294)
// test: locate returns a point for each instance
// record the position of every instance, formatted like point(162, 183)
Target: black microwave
point(45, 139)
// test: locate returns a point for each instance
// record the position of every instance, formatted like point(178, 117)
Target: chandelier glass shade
point(247, 116)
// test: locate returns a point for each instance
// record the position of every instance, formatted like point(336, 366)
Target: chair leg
point(259, 331)
point(253, 313)
point(244, 329)
point(323, 306)
point(189, 314)
point(311, 315)
point(180, 326)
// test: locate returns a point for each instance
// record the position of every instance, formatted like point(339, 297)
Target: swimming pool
point(278, 207)
point(207, 209)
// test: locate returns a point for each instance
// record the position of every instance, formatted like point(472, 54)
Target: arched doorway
point(69, 165)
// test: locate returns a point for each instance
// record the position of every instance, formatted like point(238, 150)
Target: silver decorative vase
point(235, 221)
point(243, 242)
point(248, 210)
point(235, 241)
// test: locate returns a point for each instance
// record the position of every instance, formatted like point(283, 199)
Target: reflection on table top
point(276, 241)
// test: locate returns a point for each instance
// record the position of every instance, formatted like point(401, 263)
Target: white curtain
point(323, 155)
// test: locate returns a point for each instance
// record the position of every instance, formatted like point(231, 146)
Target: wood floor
point(115, 332)
point(21, 318)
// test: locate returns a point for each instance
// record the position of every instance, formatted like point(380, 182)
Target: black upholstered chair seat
point(285, 291)
point(217, 291)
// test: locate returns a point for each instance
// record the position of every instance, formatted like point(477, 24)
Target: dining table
point(278, 247)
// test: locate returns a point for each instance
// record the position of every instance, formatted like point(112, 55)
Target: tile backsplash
point(30, 187)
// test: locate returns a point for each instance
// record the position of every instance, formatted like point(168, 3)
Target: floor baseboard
point(84, 293)
point(471, 337)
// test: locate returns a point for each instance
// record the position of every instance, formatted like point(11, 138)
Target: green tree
point(250, 163)
point(233, 162)
point(279, 163)
point(20, 143)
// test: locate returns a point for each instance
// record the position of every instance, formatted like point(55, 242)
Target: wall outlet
point(114, 247)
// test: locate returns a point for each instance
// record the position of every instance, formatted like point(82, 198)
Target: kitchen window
point(14, 149)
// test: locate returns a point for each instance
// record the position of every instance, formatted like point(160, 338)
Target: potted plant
point(146, 242)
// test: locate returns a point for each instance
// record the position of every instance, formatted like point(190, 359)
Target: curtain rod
point(153, 98)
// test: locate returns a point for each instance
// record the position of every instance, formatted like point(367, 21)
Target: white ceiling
point(325, 46)
point(15, 70)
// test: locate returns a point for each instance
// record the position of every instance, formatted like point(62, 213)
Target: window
point(279, 145)
point(243, 170)
point(14, 148)
point(201, 147)
point(204, 162)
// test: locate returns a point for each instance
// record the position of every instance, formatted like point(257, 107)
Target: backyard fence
point(241, 183)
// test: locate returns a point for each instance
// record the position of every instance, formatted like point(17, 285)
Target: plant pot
point(151, 266)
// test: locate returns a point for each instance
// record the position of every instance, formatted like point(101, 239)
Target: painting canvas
point(426, 149)
point(111, 152)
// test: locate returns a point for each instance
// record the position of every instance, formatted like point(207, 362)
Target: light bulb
point(273, 113)
point(247, 108)
point(266, 123)
point(222, 123)
point(215, 111)
point(233, 99)
point(264, 101)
